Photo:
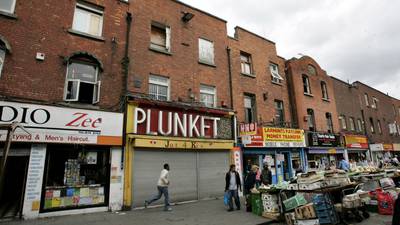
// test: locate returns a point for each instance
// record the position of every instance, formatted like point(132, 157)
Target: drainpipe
point(228, 51)
point(125, 60)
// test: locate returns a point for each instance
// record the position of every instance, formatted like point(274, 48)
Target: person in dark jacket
point(232, 185)
point(249, 183)
point(266, 175)
point(396, 212)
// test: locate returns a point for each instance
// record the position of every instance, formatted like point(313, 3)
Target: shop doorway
point(11, 198)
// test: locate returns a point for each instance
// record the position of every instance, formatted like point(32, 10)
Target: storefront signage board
point(181, 144)
point(388, 147)
point(256, 140)
point(49, 124)
point(396, 147)
point(176, 122)
point(323, 139)
point(247, 129)
point(283, 137)
point(356, 141)
point(376, 147)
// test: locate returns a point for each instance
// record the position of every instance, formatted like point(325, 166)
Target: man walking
point(232, 185)
point(266, 175)
point(162, 186)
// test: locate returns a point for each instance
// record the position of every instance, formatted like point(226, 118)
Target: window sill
point(249, 75)
point(9, 15)
point(79, 105)
point(207, 64)
point(78, 33)
point(276, 83)
point(326, 99)
point(308, 94)
point(165, 52)
point(124, 1)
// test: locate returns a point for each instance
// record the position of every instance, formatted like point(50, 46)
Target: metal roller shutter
point(146, 171)
point(212, 169)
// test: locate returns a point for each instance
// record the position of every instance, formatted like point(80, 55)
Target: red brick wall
point(182, 66)
point(262, 53)
point(295, 69)
point(42, 26)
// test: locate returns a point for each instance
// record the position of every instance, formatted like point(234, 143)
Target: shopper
point(232, 185)
point(344, 165)
point(249, 183)
point(162, 187)
point(258, 177)
point(266, 176)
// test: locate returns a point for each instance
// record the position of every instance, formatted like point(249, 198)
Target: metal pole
point(6, 149)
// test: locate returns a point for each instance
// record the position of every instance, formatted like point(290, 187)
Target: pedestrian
point(344, 165)
point(258, 178)
point(249, 183)
point(162, 187)
point(232, 185)
point(266, 175)
point(396, 212)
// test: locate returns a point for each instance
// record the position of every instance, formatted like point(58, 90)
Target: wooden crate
point(290, 218)
point(305, 212)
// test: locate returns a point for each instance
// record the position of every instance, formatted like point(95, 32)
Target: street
point(208, 212)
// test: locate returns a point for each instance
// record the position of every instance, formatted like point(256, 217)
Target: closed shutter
point(212, 169)
point(146, 171)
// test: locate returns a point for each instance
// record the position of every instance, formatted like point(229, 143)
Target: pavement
point(207, 212)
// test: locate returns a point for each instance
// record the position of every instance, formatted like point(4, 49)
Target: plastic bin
point(294, 202)
point(256, 204)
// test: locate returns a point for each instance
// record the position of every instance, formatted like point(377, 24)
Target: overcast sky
point(350, 39)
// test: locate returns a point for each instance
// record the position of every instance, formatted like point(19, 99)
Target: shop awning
point(356, 150)
point(326, 150)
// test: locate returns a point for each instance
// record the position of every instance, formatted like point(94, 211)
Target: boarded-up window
point(160, 37)
point(206, 51)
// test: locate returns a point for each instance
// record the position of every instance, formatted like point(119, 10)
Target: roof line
point(199, 10)
point(259, 36)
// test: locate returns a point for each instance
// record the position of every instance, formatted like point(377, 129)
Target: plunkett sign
point(51, 124)
point(174, 122)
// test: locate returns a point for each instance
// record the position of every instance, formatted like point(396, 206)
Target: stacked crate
point(324, 209)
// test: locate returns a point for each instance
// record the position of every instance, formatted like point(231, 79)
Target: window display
point(75, 177)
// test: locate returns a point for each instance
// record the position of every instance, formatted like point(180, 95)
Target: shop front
point(281, 148)
point(381, 152)
point(324, 150)
point(66, 161)
point(356, 147)
point(195, 142)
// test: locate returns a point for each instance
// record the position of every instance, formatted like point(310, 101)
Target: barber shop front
point(61, 161)
point(195, 141)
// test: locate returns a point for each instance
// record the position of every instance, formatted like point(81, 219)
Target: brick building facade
point(312, 97)
point(259, 84)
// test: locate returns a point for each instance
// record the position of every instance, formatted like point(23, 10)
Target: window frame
point(371, 125)
point(158, 83)
point(275, 76)
point(12, 10)
point(343, 122)
point(92, 10)
point(311, 120)
point(202, 60)
point(329, 122)
point(249, 62)
point(366, 99)
point(352, 124)
point(203, 90)
point(3, 53)
point(324, 90)
point(374, 104)
point(253, 108)
point(279, 111)
point(167, 31)
point(313, 71)
point(306, 85)
point(360, 126)
point(96, 83)
point(378, 123)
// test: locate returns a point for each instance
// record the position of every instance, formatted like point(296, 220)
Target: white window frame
point(167, 30)
point(96, 85)
point(92, 11)
point(248, 63)
point(378, 123)
point(366, 99)
point(12, 8)
point(343, 123)
point(274, 69)
point(324, 89)
point(279, 103)
point(352, 124)
point(308, 84)
point(206, 89)
point(374, 104)
point(359, 125)
point(201, 53)
point(2, 59)
point(153, 80)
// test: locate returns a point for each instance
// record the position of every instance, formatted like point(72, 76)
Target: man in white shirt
point(162, 186)
point(232, 186)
